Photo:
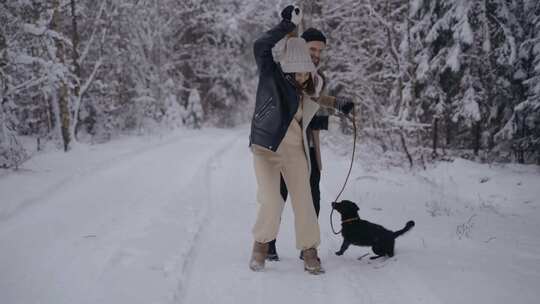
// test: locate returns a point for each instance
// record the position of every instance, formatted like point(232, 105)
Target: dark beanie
point(312, 34)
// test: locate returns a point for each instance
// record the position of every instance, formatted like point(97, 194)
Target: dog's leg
point(378, 249)
point(344, 247)
point(390, 249)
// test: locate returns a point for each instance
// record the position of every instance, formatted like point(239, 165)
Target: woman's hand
point(292, 13)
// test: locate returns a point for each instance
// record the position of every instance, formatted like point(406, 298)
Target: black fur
point(363, 233)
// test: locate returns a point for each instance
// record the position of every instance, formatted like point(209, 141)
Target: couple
point(288, 97)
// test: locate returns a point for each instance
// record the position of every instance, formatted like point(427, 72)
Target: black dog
point(363, 233)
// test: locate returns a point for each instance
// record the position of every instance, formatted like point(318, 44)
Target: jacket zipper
point(262, 112)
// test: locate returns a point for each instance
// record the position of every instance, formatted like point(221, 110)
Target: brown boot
point(258, 256)
point(312, 263)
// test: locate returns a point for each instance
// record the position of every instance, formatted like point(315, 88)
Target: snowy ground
point(168, 220)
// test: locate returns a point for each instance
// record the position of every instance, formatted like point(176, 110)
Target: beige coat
point(311, 106)
point(320, 99)
point(328, 102)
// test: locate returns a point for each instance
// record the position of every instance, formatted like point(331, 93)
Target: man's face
point(315, 50)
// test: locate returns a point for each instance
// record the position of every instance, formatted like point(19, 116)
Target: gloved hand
point(344, 106)
point(293, 14)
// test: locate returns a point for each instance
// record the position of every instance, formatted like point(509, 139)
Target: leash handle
point(353, 119)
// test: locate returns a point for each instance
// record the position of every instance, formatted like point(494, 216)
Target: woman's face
point(301, 78)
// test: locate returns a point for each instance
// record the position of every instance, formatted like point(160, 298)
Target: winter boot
point(258, 255)
point(312, 263)
point(272, 253)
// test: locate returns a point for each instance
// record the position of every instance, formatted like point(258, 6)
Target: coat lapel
point(310, 109)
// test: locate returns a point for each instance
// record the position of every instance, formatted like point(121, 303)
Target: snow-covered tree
point(524, 127)
point(360, 62)
point(193, 112)
point(97, 68)
point(464, 56)
point(12, 153)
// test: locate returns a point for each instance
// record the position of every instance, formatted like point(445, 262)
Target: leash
point(353, 119)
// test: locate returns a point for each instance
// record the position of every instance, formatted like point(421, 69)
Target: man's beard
point(316, 61)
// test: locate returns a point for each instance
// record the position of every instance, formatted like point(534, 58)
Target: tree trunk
point(63, 102)
point(51, 122)
point(523, 132)
point(448, 124)
point(477, 133)
point(435, 136)
point(3, 46)
point(3, 86)
point(405, 149)
point(75, 40)
point(3, 63)
point(412, 66)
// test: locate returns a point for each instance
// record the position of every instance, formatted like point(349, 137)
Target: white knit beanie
point(296, 58)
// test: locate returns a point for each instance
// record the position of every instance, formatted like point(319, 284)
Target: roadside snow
point(168, 221)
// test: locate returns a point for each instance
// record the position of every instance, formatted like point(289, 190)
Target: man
point(316, 43)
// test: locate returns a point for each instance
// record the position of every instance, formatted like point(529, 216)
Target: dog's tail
point(407, 227)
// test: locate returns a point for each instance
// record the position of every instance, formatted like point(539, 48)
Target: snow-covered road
point(218, 273)
point(117, 233)
point(168, 221)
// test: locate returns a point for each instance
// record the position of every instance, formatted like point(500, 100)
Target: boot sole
point(256, 269)
point(272, 259)
point(315, 271)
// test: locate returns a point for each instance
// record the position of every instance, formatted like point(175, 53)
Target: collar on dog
point(350, 220)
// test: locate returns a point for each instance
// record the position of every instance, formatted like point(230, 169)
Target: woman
point(278, 141)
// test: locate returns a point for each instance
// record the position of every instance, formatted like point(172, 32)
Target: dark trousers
point(314, 180)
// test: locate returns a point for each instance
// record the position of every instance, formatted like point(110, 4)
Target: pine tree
point(102, 67)
point(526, 119)
point(464, 58)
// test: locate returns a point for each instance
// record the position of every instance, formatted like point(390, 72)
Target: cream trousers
point(289, 160)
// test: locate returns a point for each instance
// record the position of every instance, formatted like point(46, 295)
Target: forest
point(429, 77)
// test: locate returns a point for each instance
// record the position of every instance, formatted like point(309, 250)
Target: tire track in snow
point(124, 229)
point(85, 173)
point(204, 217)
point(217, 269)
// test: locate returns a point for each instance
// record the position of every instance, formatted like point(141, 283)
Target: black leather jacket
point(277, 98)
